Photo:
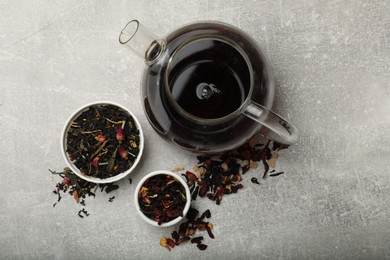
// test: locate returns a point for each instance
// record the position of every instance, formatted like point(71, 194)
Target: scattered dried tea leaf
point(276, 174)
point(85, 213)
point(78, 188)
point(254, 180)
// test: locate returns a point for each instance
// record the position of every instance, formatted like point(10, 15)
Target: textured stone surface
point(332, 65)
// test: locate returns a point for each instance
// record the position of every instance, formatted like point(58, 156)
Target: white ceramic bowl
point(75, 169)
point(186, 207)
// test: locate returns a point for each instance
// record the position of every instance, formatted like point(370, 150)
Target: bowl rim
point(186, 207)
point(75, 169)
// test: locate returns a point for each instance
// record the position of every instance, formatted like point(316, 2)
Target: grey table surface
point(332, 66)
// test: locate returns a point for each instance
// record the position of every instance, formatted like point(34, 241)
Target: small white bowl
point(94, 179)
point(186, 207)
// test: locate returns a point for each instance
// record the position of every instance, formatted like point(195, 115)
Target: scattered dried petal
point(183, 229)
point(202, 246)
point(191, 231)
point(191, 176)
point(183, 240)
point(65, 181)
point(76, 196)
point(177, 169)
point(175, 236)
point(164, 243)
point(196, 240)
point(211, 235)
point(206, 214)
point(170, 242)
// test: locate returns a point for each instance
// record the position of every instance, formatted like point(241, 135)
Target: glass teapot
point(207, 87)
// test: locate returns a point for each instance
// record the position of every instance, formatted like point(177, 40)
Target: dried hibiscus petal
point(196, 240)
point(170, 242)
point(175, 236)
point(183, 229)
point(183, 240)
point(192, 213)
point(191, 231)
point(206, 214)
point(191, 176)
point(202, 246)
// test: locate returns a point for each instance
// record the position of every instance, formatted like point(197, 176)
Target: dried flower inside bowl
point(102, 142)
point(162, 198)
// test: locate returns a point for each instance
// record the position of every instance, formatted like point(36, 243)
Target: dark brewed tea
point(207, 70)
point(208, 78)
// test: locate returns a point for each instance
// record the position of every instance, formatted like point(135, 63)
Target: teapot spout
point(142, 42)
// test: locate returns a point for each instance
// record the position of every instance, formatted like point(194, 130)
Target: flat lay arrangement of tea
point(208, 90)
point(195, 129)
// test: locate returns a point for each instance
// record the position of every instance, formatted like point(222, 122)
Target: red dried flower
point(95, 162)
point(122, 152)
point(119, 135)
point(100, 138)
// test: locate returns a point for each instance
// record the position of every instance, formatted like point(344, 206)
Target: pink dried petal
point(122, 152)
point(100, 138)
point(120, 135)
point(95, 162)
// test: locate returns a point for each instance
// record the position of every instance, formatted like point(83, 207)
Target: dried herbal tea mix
point(103, 141)
point(215, 176)
point(162, 198)
point(188, 229)
point(79, 189)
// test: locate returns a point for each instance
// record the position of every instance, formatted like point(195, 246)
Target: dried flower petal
point(209, 230)
point(119, 135)
point(192, 213)
point(123, 153)
point(100, 138)
point(177, 169)
point(164, 243)
point(191, 231)
point(65, 181)
point(95, 162)
point(170, 242)
point(196, 240)
point(183, 240)
point(76, 196)
point(191, 176)
point(206, 214)
point(183, 229)
point(202, 246)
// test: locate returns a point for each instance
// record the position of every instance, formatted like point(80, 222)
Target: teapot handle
point(279, 129)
